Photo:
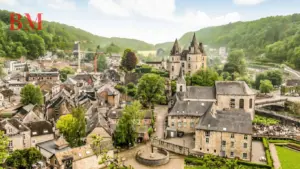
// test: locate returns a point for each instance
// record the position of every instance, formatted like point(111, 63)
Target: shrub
point(265, 143)
point(254, 165)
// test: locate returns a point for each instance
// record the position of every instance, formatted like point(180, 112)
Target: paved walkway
point(274, 155)
point(161, 112)
point(257, 152)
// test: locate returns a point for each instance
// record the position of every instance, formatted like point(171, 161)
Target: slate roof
point(77, 153)
point(230, 121)
point(200, 92)
point(195, 44)
point(17, 124)
point(115, 114)
point(293, 82)
point(175, 49)
point(51, 147)
point(40, 128)
point(233, 88)
point(43, 74)
point(190, 108)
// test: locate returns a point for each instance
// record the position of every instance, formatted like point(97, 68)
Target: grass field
point(289, 159)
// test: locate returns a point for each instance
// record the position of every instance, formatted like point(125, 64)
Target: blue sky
point(153, 21)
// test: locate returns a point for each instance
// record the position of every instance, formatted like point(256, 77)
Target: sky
point(153, 21)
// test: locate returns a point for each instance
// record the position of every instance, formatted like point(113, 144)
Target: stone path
point(274, 155)
point(161, 112)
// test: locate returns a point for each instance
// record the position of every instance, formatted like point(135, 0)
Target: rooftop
point(192, 108)
point(233, 88)
point(39, 128)
point(235, 121)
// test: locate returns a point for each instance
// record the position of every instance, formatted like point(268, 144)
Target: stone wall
point(183, 123)
point(170, 146)
point(153, 162)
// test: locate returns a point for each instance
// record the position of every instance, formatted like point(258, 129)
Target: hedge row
point(254, 165)
point(267, 150)
point(284, 141)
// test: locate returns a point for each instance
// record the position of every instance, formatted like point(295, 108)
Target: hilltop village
point(130, 113)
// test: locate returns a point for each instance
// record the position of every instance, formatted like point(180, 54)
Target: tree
point(265, 86)
point(204, 78)
point(35, 47)
point(275, 76)
point(7, 93)
point(101, 63)
point(73, 126)
point(24, 159)
point(237, 58)
point(151, 89)
point(31, 94)
point(89, 56)
point(65, 72)
point(3, 147)
point(129, 60)
point(112, 48)
point(125, 133)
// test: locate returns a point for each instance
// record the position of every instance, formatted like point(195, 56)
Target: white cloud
point(161, 9)
point(248, 2)
point(9, 2)
point(61, 4)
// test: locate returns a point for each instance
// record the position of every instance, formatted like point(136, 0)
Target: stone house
point(226, 134)
point(106, 143)
point(77, 158)
point(41, 131)
point(18, 134)
point(17, 77)
point(42, 76)
point(16, 87)
point(53, 88)
point(109, 94)
point(189, 61)
point(28, 113)
point(292, 87)
point(49, 148)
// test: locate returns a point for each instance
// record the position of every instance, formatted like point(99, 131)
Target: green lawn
point(289, 159)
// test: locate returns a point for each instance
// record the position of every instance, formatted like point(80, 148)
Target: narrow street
point(161, 112)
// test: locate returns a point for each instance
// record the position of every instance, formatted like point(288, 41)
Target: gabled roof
point(40, 128)
point(227, 121)
point(293, 82)
point(190, 108)
point(200, 93)
point(76, 154)
point(16, 123)
point(233, 88)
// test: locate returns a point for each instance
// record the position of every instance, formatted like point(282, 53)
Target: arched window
point(232, 103)
point(250, 103)
point(181, 88)
point(241, 103)
point(172, 68)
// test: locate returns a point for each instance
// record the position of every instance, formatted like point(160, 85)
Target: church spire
point(181, 83)
point(175, 50)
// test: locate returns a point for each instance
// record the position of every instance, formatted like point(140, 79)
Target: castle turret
point(194, 48)
point(175, 50)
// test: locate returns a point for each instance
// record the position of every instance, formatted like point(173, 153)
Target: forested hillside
point(278, 37)
point(32, 44)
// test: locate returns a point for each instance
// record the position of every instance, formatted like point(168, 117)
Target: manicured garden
point(289, 159)
point(264, 120)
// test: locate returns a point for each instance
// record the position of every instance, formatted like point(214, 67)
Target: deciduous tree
point(3, 147)
point(129, 60)
point(24, 159)
point(73, 126)
point(151, 89)
point(265, 86)
point(31, 94)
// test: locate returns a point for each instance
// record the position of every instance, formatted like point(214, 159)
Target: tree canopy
point(151, 89)
point(129, 60)
point(3, 147)
point(203, 78)
point(64, 72)
point(101, 63)
point(32, 94)
point(73, 127)
point(24, 159)
point(125, 133)
point(275, 76)
point(265, 86)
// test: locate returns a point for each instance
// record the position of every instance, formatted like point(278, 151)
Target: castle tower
point(181, 83)
point(174, 61)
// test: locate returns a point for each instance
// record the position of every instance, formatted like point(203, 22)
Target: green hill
point(278, 37)
point(32, 44)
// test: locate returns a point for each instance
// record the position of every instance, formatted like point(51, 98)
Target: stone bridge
point(273, 114)
point(269, 102)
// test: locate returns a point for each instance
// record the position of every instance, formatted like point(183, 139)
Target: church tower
point(181, 83)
